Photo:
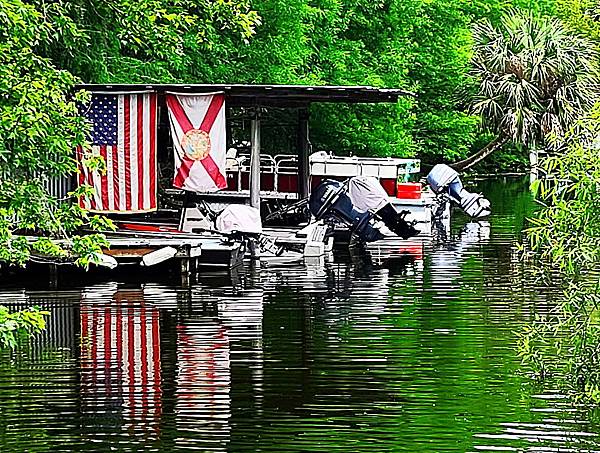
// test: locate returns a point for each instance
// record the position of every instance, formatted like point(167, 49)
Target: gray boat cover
point(367, 194)
point(239, 217)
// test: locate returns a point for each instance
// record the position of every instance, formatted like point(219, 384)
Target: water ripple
point(404, 346)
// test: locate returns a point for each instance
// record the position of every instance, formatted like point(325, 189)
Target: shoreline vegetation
point(563, 239)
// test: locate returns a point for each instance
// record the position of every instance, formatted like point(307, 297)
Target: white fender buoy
point(106, 261)
point(158, 256)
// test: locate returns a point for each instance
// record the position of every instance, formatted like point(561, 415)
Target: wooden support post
point(303, 145)
point(253, 249)
point(53, 275)
point(255, 161)
point(186, 201)
point(185, 272)
point(228, 129)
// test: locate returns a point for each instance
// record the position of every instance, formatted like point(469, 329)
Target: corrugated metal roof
point(268, 95)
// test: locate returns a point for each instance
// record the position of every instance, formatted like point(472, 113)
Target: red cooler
point(408, 190)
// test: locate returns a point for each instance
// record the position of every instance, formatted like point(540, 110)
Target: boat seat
point(192, 219)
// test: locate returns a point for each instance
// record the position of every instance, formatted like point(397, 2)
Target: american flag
point(124, 134)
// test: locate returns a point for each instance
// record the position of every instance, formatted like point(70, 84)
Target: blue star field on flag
point(102, 112)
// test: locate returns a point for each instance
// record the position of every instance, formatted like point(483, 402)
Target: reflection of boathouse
point(147, 355)
point(202, 400)
point(156, 360)
point(175, 368)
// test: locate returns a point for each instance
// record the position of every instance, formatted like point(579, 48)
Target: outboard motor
point(244, 223)
point(446, 180)
point(330, 200)
point(356, 207)
point(367, 195)
point(239, 218)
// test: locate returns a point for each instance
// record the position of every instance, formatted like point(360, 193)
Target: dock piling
point(255, 161)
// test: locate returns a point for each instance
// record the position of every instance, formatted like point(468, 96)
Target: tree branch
point(488, 149)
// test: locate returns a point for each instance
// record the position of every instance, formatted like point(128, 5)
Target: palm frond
point(535, 77)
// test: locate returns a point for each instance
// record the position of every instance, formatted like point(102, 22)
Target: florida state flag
point(198, 131)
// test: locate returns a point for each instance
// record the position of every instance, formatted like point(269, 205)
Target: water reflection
point(203, 404)
point(120, 363)
point(407, 346)
point(206, 347)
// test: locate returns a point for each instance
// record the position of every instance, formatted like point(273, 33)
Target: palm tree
point(534, 78)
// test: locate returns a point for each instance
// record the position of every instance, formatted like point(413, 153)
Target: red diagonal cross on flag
point(204, 144)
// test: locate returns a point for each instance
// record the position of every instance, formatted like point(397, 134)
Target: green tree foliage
point(20, 324)
point(39, 129)
point(423, 46)
point(565, 238)
point(582, 16)
point(143, 41)
point(365, 44)
point(534, 80)
point(571, 199)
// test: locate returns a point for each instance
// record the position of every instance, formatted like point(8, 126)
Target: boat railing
point(241, 172)
point(286, 173)
point(279, 173)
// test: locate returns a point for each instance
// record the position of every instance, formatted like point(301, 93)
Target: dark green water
point(354, 355)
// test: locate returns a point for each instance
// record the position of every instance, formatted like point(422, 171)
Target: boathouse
point(135, 128)
point(252, 176)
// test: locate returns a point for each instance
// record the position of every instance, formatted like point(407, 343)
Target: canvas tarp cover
point(239, 217)
point(366, 194)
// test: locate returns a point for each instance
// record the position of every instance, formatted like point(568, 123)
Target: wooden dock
point(180, 254)
point(129, 249)
point(204, 249)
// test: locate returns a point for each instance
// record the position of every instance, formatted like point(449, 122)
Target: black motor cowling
point(333, 200)
point(330, 200)
point(395, 221)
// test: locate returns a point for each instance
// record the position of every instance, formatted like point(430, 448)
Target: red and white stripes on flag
point(120, 360)
point(198, 131)
point(124, 127)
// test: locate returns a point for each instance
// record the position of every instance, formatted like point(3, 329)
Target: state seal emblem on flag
point(196, 144)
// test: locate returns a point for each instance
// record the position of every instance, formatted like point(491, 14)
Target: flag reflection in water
point(207, 348)
point(120, 362)
point(203, 380)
